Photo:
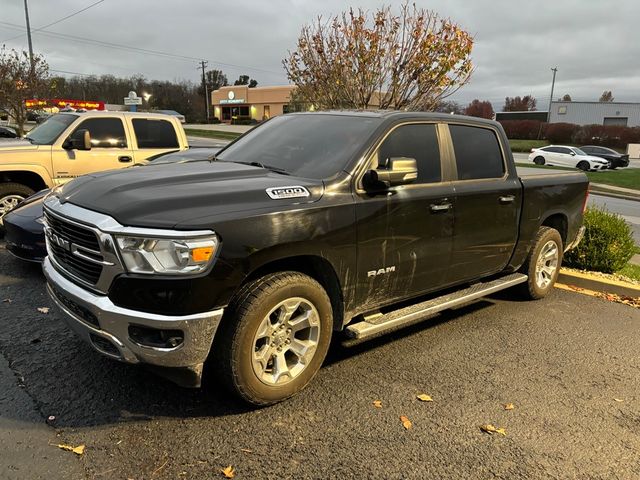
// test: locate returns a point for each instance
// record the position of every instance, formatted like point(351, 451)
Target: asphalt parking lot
point(569, 364)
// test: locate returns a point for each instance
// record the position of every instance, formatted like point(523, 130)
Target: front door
point(487, 205)
point(404, 233)
point(109, 150)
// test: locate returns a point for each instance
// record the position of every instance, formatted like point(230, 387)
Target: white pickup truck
point(68, 145)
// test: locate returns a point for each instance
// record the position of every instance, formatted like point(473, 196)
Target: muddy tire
point(273, 338)
point(543, 264)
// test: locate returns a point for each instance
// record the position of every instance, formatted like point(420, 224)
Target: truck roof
point(98, 113)
point(399, 115)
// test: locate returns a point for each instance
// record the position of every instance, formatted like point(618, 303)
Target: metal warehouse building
point(598, 113)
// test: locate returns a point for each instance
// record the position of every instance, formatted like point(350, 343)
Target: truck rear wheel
point(543, 264)
point(10, 195)
point(274, 337)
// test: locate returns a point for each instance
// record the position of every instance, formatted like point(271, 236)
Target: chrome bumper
point(576, 240)
point(113, 326)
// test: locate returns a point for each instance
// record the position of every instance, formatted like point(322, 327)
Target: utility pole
point(553, 84)
point(26, 14)
point(203, 64)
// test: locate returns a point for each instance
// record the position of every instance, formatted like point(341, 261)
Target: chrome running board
point(374, 325)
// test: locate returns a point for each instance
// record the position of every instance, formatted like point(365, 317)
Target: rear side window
point(154, 133)
point(414, 141)
point(104, 132)
point(478, 153)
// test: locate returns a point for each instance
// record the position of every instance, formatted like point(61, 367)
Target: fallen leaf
point(490, 429)
point(43, 309)
point(423, 397)
point(6, 300)
point(509, 406)
point(406, 423)
point(229, 472)
point(619, 400)
point(79, 450)
point(377, 403)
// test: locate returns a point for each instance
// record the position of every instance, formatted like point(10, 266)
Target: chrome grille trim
point(93, 269)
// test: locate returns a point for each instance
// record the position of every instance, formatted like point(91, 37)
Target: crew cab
point(68, 145)
point(308, 225)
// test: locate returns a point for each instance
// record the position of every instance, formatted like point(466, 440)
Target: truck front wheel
point(274, 337)
point(543, 263)
point(10, 195)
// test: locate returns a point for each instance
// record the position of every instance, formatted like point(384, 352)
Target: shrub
point(607, 245)
point(560, 132)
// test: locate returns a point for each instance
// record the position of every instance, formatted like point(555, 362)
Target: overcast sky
point(594, 44)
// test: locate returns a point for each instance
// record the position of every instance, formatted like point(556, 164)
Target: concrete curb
point(609, 193)
point(598, 284)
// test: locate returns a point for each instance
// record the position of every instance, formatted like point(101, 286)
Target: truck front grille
point(64, 238)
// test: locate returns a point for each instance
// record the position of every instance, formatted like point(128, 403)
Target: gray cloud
point(594, 44)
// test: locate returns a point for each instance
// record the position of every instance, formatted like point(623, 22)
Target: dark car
point(8, 132)
point(24, 225)
point(616, 159)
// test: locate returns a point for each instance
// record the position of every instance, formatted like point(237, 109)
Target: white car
point(174, 113)
point(562, 156)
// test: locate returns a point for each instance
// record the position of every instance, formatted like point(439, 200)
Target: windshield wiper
point(271, 168)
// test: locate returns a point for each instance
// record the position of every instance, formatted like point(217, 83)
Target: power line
point(57, 21)
point(144, 51)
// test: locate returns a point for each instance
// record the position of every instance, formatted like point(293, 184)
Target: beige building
point(259, 103)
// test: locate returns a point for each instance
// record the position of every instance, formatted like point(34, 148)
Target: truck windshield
point(307, 145)
point(47, 132)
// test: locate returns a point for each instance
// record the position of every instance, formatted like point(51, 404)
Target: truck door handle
point(507, 199)
point(124, 159)
point(440, 207)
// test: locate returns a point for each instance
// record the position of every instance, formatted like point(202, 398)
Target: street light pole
point(26, 14)
point(553, 84)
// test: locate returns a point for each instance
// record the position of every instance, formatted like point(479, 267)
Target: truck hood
point(162, 196)
point(19, 145)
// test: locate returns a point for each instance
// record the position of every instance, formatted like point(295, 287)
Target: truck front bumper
point(109, 329)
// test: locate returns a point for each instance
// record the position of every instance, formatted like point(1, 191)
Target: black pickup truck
point(309, 224)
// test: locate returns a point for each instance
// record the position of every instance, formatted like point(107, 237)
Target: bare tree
point(606, 96)
point(448, 106)
point(20, 80)
point(520, 104)
point(409, 61)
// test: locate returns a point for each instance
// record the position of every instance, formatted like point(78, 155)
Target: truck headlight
point(174, 256)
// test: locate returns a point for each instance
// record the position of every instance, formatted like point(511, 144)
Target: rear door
point(487, 203)
point(404, 233)
point(109, 149)
point(153, 136)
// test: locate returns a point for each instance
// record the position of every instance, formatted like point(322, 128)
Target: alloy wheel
point(547, 264)
point(286, 341)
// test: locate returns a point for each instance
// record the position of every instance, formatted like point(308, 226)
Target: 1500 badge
point(278, 193)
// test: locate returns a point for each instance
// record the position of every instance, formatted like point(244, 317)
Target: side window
point(478, 153)
point(154, 133)
point(564, 150)
point(417, 141)
point(105, 132)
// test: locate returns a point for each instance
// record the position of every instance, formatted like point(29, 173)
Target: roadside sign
point(133, 99)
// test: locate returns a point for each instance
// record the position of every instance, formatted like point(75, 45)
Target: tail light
point(584, 204)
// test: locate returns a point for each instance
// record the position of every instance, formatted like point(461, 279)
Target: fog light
point(156, 338)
